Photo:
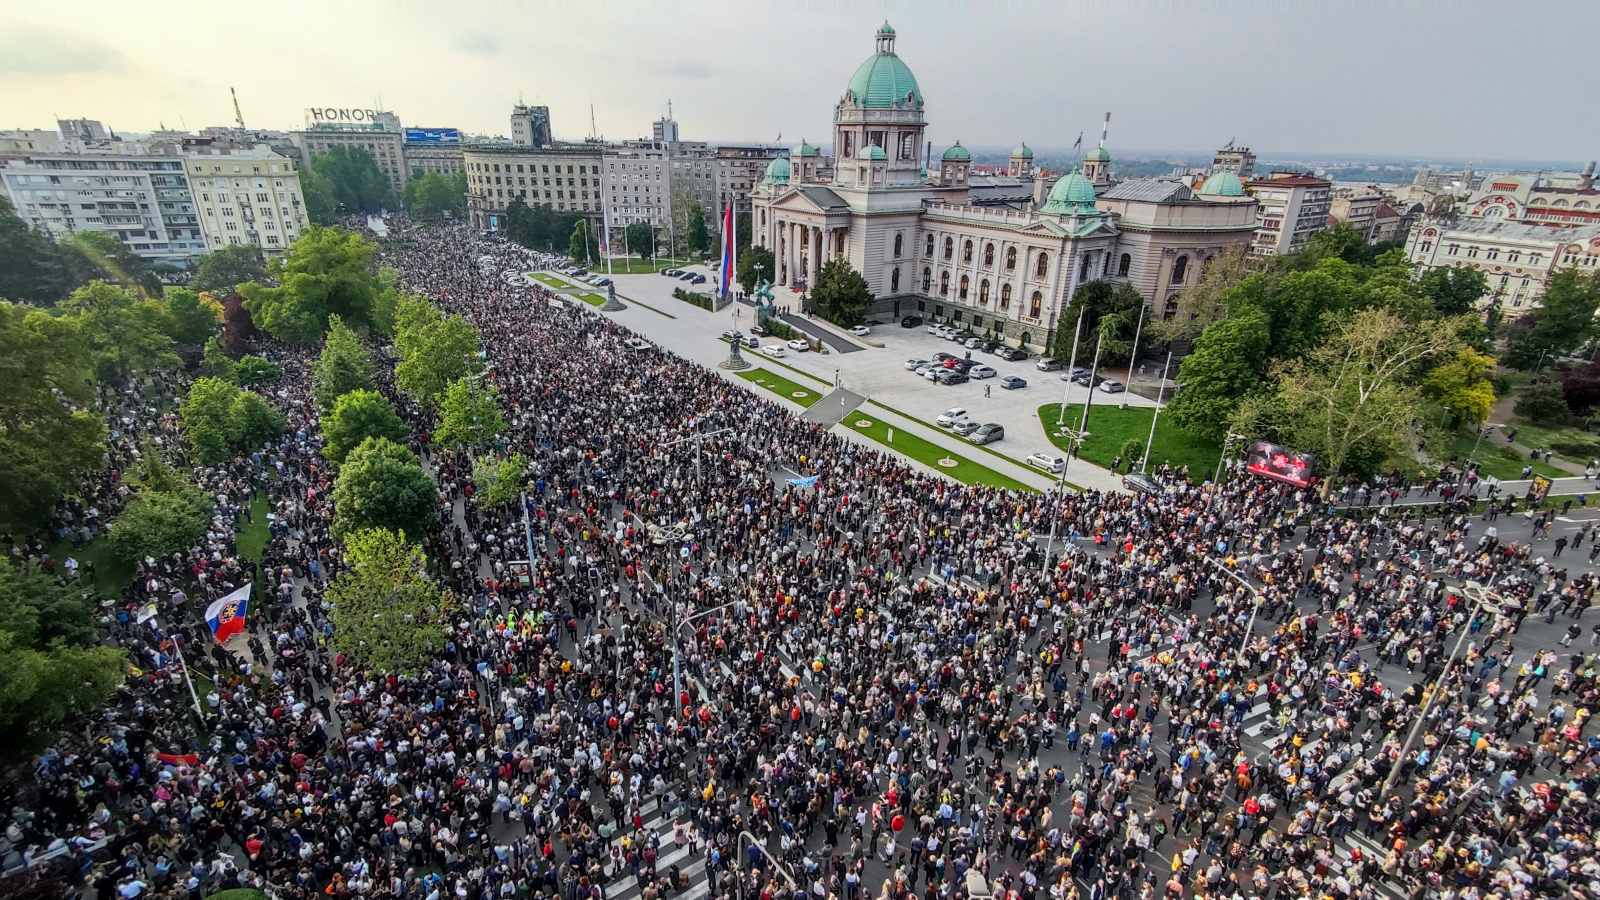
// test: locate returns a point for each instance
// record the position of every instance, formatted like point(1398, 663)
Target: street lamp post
point(1482, 596)
point(748, 839)
point(1255, 607)
point(677, 643)
point(1227, 442)
point(1074, 441)
point(1161, 392)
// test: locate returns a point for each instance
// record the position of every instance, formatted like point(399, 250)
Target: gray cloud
point(32, 51)
point(478, 44)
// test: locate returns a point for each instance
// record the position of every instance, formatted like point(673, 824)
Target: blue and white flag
point(807, 481)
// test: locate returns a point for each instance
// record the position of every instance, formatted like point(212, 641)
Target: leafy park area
point(930, 454)
point(783, 387)
point(1116, 432)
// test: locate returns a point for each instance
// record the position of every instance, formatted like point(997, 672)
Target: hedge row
point(701, 300)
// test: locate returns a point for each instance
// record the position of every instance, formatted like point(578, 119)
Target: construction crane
point(237, 115)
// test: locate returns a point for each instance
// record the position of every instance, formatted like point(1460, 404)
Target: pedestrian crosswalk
point(691, 864)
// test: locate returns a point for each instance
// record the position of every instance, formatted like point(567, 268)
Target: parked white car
point(982, 372)
point(773, 349)
point(799, 346)
point(911, 364)
point(861, 331)
point(950, 416)
point(1049, 462)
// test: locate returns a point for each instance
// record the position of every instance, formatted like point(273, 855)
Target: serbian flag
point(178, 759)
point(226, 616)
point(729, 263)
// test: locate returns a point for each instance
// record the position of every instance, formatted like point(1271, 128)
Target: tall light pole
point(1074, 441)
point(1061, 411)
point(1133, 360)
point(1161, 392)
point(677, 643)
point(1483, 431)
point(1255, 607)
point(1482, 596)
point(1227, 442)
point(745, 838)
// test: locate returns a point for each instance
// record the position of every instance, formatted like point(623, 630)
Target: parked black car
point(952, 376)
point(910, 321)
point(1012, 354)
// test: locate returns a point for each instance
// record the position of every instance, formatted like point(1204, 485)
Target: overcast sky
point(1464, 78)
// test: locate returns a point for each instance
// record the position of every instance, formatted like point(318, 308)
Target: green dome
point(957, 153)
point(883, 81)
point(1098, 154)
point(872, 152)
point(1022, 150)
point(1223, 184)
point(1072, 193)
point(806, 149)
point(778, 171)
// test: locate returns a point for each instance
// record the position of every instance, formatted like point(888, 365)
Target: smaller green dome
point(887, 29)
point(778, 171)
point(1072, 193)
point(1022, 151)
point(1223, 184)
point(872, 152)
point(1098, 154)
point(957, 153)
point(806, 149)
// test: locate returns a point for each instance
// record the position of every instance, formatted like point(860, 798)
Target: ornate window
point(1172, 307)
point(927, 278)
point(949, 247)
point(966, 252)
point(1083, 269)
point(1180, 269)
point(1124, 264)
point(1005, 297)
point(1035, 303)
point(983, 292)
point(1042, 267)
point(1011, 259)
point(929, 251)
point(944, 284)
point(964, 282)
point(988, 255)
point(894, 278)
point(898, 244)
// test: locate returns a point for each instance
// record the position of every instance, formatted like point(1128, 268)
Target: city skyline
point(1307, 81)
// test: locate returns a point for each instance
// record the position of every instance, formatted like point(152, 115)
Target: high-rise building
point(1238, 160)
point(637, 184)
point(245, 195)
point(664, 129)
point(740, 167)
point(564, 177)
point(378, 133)
point(1292, 206)
point(530, 126)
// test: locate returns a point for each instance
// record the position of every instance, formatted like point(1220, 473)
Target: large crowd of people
point(877, 684)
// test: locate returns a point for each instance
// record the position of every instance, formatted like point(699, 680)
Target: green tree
point(1227, 364)
point(37, 608)
point(156, 523)
point(98, 256)
point(50, 437)
point(755, 264)
point(126, 335)
point(699, 237)
point(840, 294)
point(498, 481)
point(388, 615)
point(252, 370)
point(382, 485)
point(1462, 384)
point(433, 354)
point(1107, 306)
point(1205, 301)
point(1543, 403)
point(223, 270)
point(580, 246)
point(41, 686)
point(191, 319)
point(469, 415)
point(1342, 241)
point(639, 239)
point(321, 206)
point(741, 232)
point(343, 366)
point(354, 181)
point(1454, 290)
point(357, 416)
point(431, 196)
point(216, 362)
point(33, 270)
point(1562, 322)
point(327, 271)
point(1354, 400)
point(219, 419)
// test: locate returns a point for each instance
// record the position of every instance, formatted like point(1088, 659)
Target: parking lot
point(879, 373)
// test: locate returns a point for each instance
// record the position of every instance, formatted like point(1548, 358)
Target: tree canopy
point(469, 415)
point(356, 416)
point(431, 196)
point(581, 244)
point(538, 226)
point(219, 419)
point(840, 294)
point(638, 239)
point(1110, 307)
point(352, 180)
point(327, 271)
point(755, 264)
point(34, 271)
point(127, 335)
point(387, 613)
point(224, 269)
point(699, 237)
point(191, 318)
point(382, 485)
point(434, 350)
point(343, 366)
point(498, 481)
point(1563, 321)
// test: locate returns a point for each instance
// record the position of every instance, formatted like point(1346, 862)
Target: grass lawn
point(632, 266)
point(928, 453)
point(1545, 437)
point(592, 299)
point(548, 280)
point(251, 541)
point(1498, 460)
point(111, 574)
point(781, 386)
point(1110, 427)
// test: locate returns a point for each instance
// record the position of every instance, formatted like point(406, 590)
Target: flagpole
point(177, 645)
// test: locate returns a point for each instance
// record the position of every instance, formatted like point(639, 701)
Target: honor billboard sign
point(359, 116)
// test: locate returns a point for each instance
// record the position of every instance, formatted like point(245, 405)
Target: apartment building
point(1291, 208)
point(564, 177)
point(247, 196)
point(378, 133)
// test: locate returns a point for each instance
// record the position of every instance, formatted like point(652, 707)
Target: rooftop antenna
point(593, 131)
point(237, 115)
point(1105, 129)
point(669, 107)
